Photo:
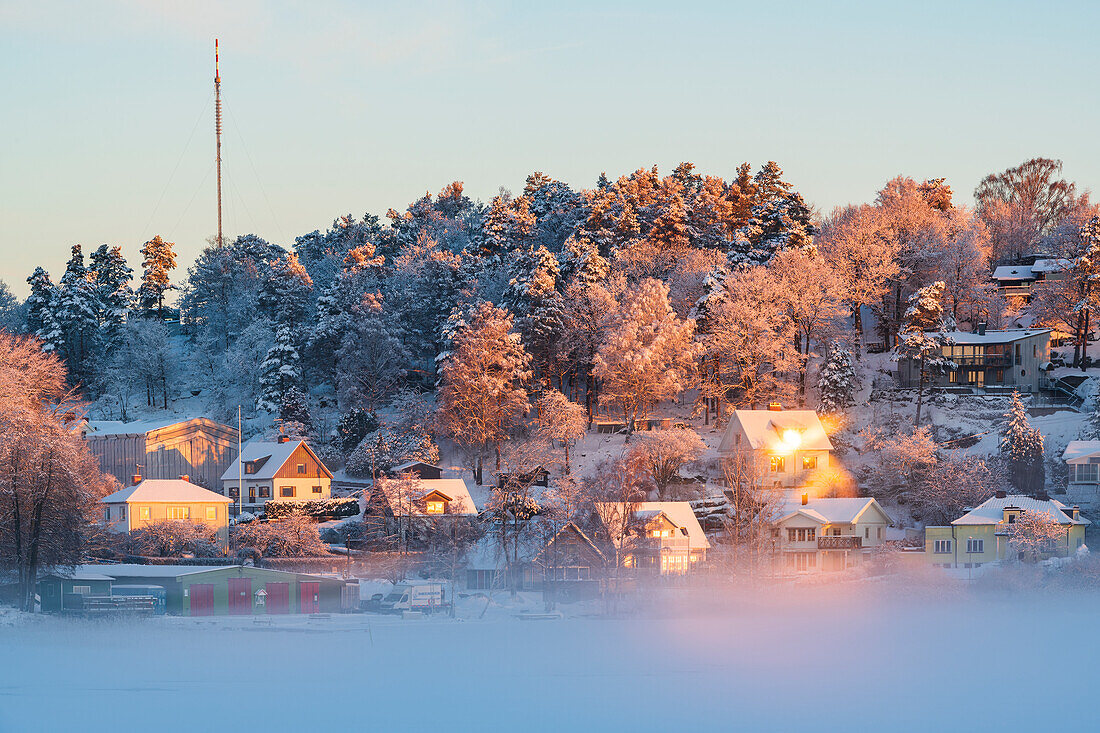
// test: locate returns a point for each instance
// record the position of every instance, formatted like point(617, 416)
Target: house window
point(778, 464)
point(1086, 473)
point(316, 489)
point(234, 492)
point(941, 547)
point(1034, 351)
point(145, 512)
point(802, 535)
point(265, 492)
point(301, 468)
point(286, 492)
point(211, 512)
point(973, 545)
point(1017, 353)
point(122, 512)
point(809, 463)
point(179, 512)
point(880, 533)
point(867, 533)
point(435, 507)
point(106, 514)
point(82, 590)
point(249, 467)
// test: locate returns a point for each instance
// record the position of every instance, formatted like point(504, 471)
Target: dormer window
point(435, 506)
point(249, 467)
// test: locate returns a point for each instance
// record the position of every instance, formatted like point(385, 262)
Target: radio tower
point(218, 132)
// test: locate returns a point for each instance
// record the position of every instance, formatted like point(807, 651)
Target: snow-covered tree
point(77, 314)
point(11, 314)
point(648, 353)
point(923, 336)
point(1035, 534)
point(662, 453)
point(372, 362)
point(353, 427)
point(780, 220)
point(280, 371)
point(114, 296)
point(560, 420)
point(287, 291)
point(173, 537)
point(481, 398)
point(295, 535)
point(158, 259)
point(837, 381)
point(1022, 448)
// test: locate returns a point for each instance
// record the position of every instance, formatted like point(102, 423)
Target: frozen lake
point(853, 658)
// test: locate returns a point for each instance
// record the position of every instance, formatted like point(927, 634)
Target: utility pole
point(218, 133)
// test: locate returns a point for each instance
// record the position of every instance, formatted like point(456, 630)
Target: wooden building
point(166, 449)
point(280, 470)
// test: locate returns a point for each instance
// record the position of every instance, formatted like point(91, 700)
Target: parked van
point(425, 597)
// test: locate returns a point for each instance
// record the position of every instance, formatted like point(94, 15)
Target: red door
point(278, 597)
point(202, 599)
point(310, 594)
point(240, 596)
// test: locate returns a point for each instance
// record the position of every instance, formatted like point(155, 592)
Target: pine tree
point(39, 317)
point(780, 220)
point(280, 371)
point(923, 336)
point(838, 379)
point(158, 261)
point(77, 315)
point(1022, 447)
point(295, 414)
point(286, 292)
point(112, 284)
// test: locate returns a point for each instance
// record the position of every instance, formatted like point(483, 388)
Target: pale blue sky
point(338, 107)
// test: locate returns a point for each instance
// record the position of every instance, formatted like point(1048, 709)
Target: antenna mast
point(218, 132)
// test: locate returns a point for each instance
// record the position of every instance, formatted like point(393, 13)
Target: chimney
point(135, 479)
point(284, 438)
point(775, 407)
point(1076, 512)
point(1001, 494)
point(805, 499)
point(185, 477)
point(981, 328)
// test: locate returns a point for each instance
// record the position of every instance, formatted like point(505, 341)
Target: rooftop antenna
point(218, 132)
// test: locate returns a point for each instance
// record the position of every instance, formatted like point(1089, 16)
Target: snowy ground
point(850, 657)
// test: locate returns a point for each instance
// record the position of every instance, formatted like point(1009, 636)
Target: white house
point(785, 446)
point(658, 537)
point(280, 470)
point(829, 534)
point(1082, 459)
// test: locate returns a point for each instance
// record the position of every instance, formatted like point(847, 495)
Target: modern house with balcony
point(984, 534)
point(779, 447)
point(1010, 358)
point(1082, 459)
point(1019, 279)
point(655, 537)
point(828, 534)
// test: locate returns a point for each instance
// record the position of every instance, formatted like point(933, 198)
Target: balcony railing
point(654, 543)
point(983, 360)
point(839, 542)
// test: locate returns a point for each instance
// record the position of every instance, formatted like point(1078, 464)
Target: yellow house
point(660, 537)
point(982, 535)
point(828, 534)
point(281, 470)
point(159, 500)
point(784, 446)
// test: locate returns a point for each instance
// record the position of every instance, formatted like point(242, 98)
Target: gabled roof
point(1078, 449)
point(159, 490)
point(763, 429)
point(486, 554)
point(269, 457)
point(454, 489)
point(407, 465)
point(679, 513)
point(834, 511)
point(991, 511)
point(105, 428)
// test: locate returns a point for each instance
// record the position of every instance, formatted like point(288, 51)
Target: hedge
point(319, 509)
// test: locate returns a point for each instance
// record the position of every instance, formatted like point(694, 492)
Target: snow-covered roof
point(1014, 272)
point(679, 513)
point(413, 464)
point(993, 336)
point(269, 456)
point(833, 510)
point(486, 554)
point(111, 572)
point(154, 490)
point(137, 427)
point(1079, 449)
point(454, 489)
point(1051, 265)
point(77, 573)
point(764, 429)
point(992, 510)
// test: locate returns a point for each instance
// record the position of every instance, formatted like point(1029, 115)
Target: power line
point(175, 169)
point(259, 181)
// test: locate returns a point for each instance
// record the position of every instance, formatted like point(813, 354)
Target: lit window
point(265, 492)
point(249, 467)
point(179, 512)
point(435, 507)
point(778, 464)
point(211, 512)
point(145, 512)
point(809, 463)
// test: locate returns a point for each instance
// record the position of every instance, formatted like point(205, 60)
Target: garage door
point(240, 596)
point(278, 597)
point(311, 597)
point(202, 599)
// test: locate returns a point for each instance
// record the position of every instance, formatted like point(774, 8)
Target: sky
point(107, 133)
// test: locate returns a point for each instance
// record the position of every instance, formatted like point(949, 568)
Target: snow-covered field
point(849, 657)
